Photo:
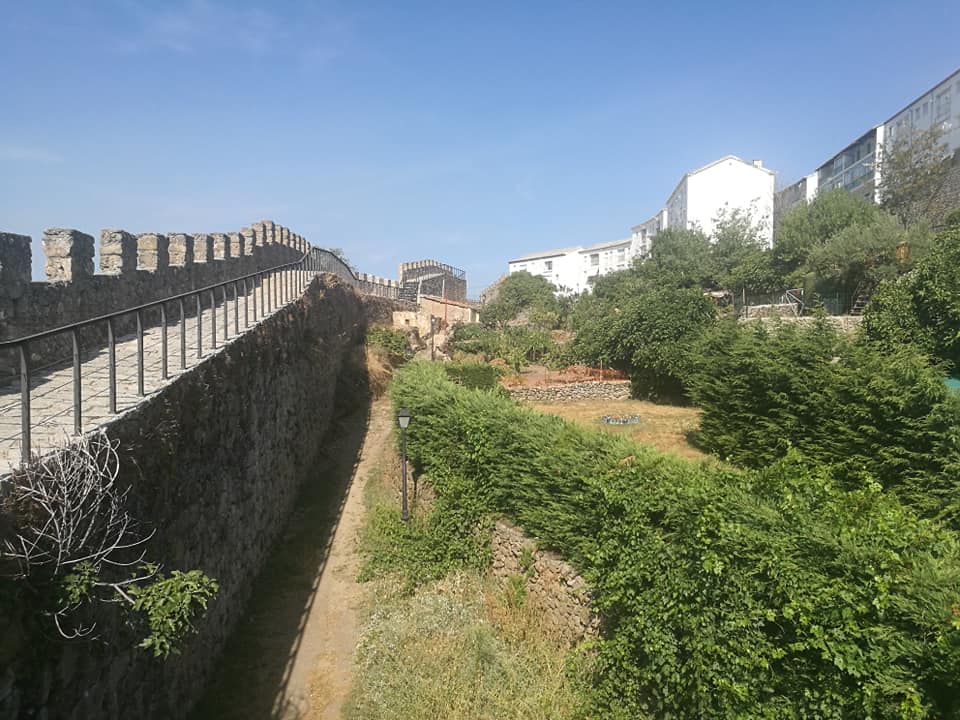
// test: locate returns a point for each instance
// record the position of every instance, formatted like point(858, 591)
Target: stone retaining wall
point(586, 390)
point(215, 462)
point(843, 323)
point(551, 582)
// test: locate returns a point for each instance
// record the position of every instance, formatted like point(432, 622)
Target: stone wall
point(586, 390)
point(215, 461)
point(553, 584)
point(843, 323)
point(134, 270)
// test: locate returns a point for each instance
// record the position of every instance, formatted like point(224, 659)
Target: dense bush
point(393, 343)
point(875, 417)
point(922, 307)
point(651, 337)
point(473, 375)
point(514, 345)
point(725, 594)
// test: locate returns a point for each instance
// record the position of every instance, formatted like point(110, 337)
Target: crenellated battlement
point(134, 269)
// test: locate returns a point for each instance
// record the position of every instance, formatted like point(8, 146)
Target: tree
point(650, 337)
point(863, 254)
point(741, 259)
point(914, 170)
point(805, 227)
point(922, 307)
point(679, 258)
point(523, 293)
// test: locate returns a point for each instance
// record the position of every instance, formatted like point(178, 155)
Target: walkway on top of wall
point(52, 388)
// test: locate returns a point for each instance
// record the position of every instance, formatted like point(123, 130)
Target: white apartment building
point(726, 184)
point(574, 269)
point(700, 196)
point(856, 167)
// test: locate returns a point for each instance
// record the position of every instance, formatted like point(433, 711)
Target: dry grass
point(457, 648)
point(379, 371)
point(663, 426)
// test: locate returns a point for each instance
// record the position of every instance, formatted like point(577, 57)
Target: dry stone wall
point(215, 461)
point(552, 583)
point(586, 390)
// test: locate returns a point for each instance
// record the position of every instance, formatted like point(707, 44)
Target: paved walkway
point(51, 390)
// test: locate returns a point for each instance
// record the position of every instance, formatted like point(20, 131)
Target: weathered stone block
point(270, 230)
point(237, 244)
point(181, 249)
point(118, 252)
point(202, 248)
point(15, 265)
point(221, 246)
point(69, 254)
point(249, 239)
point(153, 252)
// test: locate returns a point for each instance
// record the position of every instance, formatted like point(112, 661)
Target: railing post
point(263, 292)
point(236, 307)
point(213, 320)
point(246, 305)
point(226, 318)
point(140, 353)
point(77, 391)
point(183, 335)
point(112, 362)
point(199, 327)
point(163, 342)
point(25, 403)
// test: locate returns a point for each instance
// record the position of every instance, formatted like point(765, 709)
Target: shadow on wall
point(253, 678)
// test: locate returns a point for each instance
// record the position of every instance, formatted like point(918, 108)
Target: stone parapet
point(134, 270)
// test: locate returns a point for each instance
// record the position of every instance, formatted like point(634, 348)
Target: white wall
point(561, 270)
point(730, 184)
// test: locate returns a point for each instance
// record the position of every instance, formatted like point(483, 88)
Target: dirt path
point(322, 671)
point(292, 657)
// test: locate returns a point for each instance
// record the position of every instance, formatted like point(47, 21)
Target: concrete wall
point(215, 461)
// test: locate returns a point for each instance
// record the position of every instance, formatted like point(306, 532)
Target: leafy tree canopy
point(914, 172)
point(807, 226)
point(922, 307)
point(523, 293)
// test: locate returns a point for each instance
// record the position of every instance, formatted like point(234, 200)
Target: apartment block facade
point(857, 167)
point(700, 196)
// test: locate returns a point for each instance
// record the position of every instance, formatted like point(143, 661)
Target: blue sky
point(466, 132)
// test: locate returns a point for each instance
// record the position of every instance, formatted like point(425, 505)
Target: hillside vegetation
point(771, 593)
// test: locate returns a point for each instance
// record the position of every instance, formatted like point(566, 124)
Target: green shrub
point(874, 417)
point(473, 374)
point(390, 341)
point(651, 337)
point(724, 593)
point(922, 307)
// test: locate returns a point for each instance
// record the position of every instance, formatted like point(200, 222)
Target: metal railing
point(269, 288)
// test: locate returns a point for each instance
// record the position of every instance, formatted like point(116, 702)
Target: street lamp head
point(403, 417)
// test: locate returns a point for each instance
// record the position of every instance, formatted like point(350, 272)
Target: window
point(594, 259)
point(548, 265)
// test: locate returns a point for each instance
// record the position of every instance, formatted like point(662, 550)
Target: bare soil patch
point(666, 427)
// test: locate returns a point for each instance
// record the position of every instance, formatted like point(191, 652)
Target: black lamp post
point(403, 418)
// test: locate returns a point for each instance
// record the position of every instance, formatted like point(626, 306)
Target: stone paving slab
point(51, 389)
